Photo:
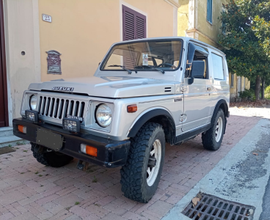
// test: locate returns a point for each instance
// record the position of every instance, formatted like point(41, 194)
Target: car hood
point(110, 87)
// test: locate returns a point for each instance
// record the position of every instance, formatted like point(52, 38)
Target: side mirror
point(197, 70)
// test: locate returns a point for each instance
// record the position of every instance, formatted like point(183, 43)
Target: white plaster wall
point(191, 15)
point(22, 34)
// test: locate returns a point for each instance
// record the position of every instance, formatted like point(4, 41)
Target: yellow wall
point(233, 88)
point(195, 24)
point(83, 31)
point(159, 16)
point(202, 25)
point(182, 14)
point(245, 85)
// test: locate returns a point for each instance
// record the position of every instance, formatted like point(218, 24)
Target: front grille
point(59, 108)
point(210, 207)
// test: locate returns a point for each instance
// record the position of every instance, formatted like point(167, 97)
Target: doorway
point(3, 78)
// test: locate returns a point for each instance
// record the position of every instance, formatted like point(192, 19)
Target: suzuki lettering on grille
point(61, 88)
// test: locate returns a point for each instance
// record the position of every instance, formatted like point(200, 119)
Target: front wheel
point(212, 138)
point(141, 174)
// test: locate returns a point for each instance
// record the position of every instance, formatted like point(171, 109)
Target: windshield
point(152, 55)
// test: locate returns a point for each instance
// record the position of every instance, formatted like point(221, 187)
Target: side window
point(200, 57)
point(197, 62)
point(217, 67)
point(209, 11)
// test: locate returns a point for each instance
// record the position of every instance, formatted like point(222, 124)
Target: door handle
point(209, 89)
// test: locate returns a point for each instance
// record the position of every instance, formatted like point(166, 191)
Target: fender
point(148, 116)
point(223, 105)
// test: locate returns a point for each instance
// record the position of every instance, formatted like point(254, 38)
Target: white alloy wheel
point(219, 129)
point(141, 173)
point(212, 138)
point(154, 162)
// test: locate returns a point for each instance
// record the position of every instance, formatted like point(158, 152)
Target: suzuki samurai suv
point(144, 94)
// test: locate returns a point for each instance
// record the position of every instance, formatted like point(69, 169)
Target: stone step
point(10, 141)
point(6, 131)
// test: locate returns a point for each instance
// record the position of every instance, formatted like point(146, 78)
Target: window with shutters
point(209, 10)
point(134, 24)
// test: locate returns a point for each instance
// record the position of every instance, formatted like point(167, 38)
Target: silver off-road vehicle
point(145, 93)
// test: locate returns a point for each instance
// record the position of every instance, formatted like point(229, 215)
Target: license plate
point(49, 139)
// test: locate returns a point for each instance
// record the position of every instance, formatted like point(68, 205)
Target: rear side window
point(217, 67)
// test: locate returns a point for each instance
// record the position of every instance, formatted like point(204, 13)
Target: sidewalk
point(29, 190)
point(241, 176)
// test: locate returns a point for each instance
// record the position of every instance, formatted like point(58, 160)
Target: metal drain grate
point(207, 207)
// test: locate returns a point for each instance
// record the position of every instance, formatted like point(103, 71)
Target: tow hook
point(80, 165)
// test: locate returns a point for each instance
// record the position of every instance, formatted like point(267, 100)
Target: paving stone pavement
point(29, 190)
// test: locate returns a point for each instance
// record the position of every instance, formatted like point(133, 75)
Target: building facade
point(45, 40)
point(20, 54)
point(199, 19)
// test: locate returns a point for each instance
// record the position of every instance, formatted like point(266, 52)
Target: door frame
point(3, 61)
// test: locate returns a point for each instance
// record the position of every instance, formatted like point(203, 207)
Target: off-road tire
point(134, 176)
point(49, 157)
point(209, 137)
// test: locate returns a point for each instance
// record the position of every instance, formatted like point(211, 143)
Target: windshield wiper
point(123, 67)
point(155, 68)
point(150, 67)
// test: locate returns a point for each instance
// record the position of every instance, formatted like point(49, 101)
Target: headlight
point(33, 102)
point(104, 115)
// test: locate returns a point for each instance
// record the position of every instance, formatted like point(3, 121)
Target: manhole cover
point(207, 207)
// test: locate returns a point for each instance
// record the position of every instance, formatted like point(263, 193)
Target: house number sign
point(47, 18)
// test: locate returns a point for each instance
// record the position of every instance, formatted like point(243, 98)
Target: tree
point(242, 43)
point(261, 26)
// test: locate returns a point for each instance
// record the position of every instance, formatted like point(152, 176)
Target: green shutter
point(209, 10)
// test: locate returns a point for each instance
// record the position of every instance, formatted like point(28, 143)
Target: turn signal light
point(132, 108)
point(92, 151)
point(22, 129)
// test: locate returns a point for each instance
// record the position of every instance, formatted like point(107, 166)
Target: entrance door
point(3, 80)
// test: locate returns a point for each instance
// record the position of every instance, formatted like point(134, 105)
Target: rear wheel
point(141, 174)
point(49, 157)
point(212, 138)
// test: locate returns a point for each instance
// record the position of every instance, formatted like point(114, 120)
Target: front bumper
point(109, 153)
